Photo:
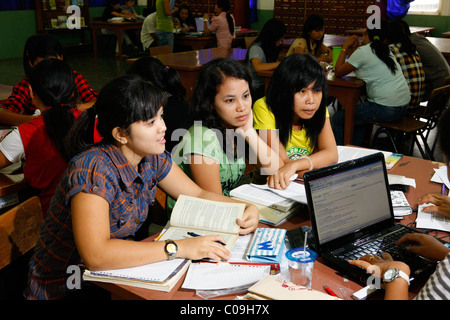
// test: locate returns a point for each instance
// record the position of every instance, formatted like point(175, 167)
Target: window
point(425, 6)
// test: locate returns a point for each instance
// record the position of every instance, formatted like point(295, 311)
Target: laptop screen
point(344, 202)
point(199, 24)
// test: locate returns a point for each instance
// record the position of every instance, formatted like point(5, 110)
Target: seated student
point(222, 24)
point(437, 286)
point(19, 107)
point(113, 10)
point(408, 58)
point(221, 109)
point(184, 19)
point(104, 195)
point(168, 80)
point(388, 93)
point(127, 7)
point(311, 40)
point(263, 54)
point(148, 32)
point(293, 119)
point(435, 66)
point(40, 142)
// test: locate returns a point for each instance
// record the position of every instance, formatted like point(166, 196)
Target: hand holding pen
point(203, 247)
point(441, 203)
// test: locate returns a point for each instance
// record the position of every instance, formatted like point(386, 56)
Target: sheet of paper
point(295, 191)
point(210, 276)
point(346, 153)
point(431, 220)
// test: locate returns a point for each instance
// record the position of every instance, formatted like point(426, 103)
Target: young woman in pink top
point(222, 24)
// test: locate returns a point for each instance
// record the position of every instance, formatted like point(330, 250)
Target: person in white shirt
point(148, 32)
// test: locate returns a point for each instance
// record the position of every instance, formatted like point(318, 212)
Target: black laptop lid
point(348, 200)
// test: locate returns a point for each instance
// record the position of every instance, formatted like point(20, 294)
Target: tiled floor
point(99, 71)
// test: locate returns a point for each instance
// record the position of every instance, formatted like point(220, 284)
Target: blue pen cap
point(300, 255)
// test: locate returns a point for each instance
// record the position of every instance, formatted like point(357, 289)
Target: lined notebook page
point(210, 276)
point(154, 272)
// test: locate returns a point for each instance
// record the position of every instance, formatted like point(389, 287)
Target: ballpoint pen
point(329, 291)
point(193, 234)
point(443, 189)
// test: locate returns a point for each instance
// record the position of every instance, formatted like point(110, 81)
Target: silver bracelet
point(310, 162)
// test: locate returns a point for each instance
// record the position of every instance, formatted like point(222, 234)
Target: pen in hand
point(193, 234)
point(443, 189)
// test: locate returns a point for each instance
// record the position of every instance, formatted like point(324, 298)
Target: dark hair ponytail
point(53, 82)
point(379, 47)
point(225, 6)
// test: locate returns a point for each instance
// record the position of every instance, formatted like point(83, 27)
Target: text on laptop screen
point(350, 200)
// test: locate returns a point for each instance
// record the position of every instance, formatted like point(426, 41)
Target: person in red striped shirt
point(19, 107)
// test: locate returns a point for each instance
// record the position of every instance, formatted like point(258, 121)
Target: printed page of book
point(206, 215)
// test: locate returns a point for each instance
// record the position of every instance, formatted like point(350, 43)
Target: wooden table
point(189, 63)
point(117, 27)
point(202, 42)
point(347, 90)
point(5, 92)
point(426, 31)
point(419, 169)
point(443, 45)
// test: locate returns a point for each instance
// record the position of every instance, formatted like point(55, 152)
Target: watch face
point(171, 248)
point(391, 274)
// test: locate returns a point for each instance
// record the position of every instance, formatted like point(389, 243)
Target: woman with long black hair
point(388, 93)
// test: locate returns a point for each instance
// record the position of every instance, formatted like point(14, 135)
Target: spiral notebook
point(161, 276)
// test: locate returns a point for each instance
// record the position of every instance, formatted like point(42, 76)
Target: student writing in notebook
point(104, 195)
point(293, 119)
point(437, 286)
point(221, 109)
point(19, 107)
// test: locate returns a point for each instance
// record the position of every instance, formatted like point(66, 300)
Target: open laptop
point(199, 24)
point(351, 215)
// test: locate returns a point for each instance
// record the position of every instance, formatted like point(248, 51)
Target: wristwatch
point(171, 249)
point(393, 274)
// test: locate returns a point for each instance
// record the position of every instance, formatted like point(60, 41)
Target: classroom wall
point(12, 38)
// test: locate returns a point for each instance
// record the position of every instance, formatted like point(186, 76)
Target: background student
point(437, 286)
point(434, 64)
point(103, 197)
point(168, 80)
point(311, 40)
point(19, 107)
point(263, 54)
point(40, 142)
point(113, 10)
point(165, 9)
point(388, 93)
point(148, 32)
point(295, 105)
point(222, 24)
point(222, 109)
point(184, 19)
point(409, 60)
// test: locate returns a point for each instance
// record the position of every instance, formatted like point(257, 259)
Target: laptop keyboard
point(378, 244)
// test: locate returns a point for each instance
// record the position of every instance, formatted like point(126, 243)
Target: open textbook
point(204, 217)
